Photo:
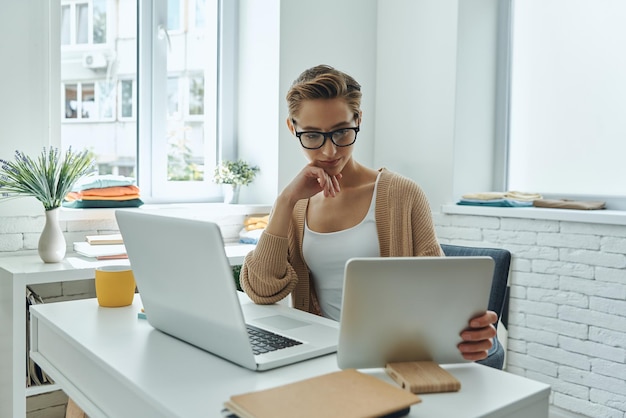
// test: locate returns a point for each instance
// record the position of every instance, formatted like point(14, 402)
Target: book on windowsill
point(105, 239)
point(112, 257)
point(101, 251)
point(347, 394)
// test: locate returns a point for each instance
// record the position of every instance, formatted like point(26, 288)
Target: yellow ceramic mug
point(115, 286)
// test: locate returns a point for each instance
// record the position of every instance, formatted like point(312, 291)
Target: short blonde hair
point(324, 82)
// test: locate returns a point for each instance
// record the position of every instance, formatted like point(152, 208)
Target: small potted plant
point(48, 179)
point(234, 174)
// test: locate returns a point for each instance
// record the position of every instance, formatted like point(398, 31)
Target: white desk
point(17, 272)
point(115, 365)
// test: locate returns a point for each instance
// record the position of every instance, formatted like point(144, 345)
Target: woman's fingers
point(478, 337)
point(476, 343)
point(329, 184)
point(313, 179)
point(335, 180)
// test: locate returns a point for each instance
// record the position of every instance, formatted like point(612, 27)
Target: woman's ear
point(290, 125)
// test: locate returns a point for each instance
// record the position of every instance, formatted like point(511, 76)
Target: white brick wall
point(567, 314)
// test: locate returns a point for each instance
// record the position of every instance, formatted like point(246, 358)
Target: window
point(196, 96)
point(198, 13)
point(568, 93)
point(84, 22)
point(139, 91)
point(174, 15)
point(127, 110)
point(88, 101)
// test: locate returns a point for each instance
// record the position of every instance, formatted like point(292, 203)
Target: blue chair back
point(498, 298)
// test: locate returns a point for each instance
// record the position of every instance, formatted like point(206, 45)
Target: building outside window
point(170, 129)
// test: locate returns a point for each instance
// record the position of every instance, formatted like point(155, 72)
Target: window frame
point(178, 94)
point(151, 159)
point(153, 45)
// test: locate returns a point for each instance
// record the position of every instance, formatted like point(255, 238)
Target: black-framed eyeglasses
point(343, 137)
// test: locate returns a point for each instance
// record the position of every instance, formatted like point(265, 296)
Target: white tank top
point(326, 254)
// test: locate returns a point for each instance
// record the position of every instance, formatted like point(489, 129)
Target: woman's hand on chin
point(310, 181)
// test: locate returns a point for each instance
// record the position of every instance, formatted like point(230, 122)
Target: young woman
point(337, 208)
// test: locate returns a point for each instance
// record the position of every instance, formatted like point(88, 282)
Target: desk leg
point(6, 345)
point(12, 347)
point(539, 409)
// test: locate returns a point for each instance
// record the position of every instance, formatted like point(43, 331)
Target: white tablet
point(398, 309)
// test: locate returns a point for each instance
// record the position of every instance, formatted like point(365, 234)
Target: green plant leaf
point(48, 178)
point(235, 172)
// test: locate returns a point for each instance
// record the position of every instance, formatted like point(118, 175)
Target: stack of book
point(102, 247)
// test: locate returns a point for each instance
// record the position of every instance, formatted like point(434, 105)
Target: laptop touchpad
point(281, 322)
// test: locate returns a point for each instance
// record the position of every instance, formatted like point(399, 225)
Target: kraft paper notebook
point(346, 394)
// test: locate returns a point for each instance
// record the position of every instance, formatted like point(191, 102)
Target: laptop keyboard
point(264, 341)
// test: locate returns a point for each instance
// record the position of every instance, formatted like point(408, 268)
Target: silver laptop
point(188, 291)
point(409, 308)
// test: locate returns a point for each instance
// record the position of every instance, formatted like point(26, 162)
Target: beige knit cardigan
point(276, 268)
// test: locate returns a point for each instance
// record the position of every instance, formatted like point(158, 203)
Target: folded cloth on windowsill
point(512, 195)
point(569, 204)
point(503, 203)
point(92, 204)
point(256, 222)
point(104, 197)
point(73, 196)
point(110, 191)
point(250, 237)
point(253, 227)
point(101, 181)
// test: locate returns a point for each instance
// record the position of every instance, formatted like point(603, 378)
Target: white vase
point(231, 193)
point(52, 245)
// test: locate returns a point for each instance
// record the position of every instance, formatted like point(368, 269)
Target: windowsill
point(610, 217)
point(175, 209)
